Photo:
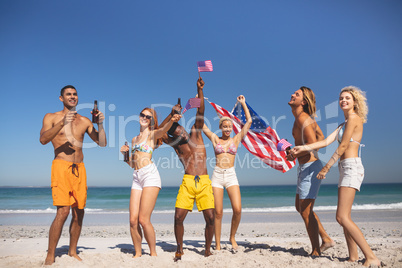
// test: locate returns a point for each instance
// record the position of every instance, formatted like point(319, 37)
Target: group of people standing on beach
point(66, 130)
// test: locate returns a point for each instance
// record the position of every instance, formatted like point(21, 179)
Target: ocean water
point(254, 199)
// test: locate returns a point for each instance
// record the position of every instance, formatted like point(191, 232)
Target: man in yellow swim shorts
point(196, 185)
point(195, 188)
point(66, 130)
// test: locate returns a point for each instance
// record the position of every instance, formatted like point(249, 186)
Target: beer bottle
point(126, 154)
point(178, 102)
point(95, 117)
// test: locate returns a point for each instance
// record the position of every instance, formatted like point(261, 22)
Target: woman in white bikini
point(146, 179)
point(224, 174)
point(349, 134)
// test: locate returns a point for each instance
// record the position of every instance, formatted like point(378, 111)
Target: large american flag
point(205, 66)
point(192, 103)
point(261, 140)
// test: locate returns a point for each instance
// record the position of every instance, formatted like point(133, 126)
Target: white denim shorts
point(351, 173)
point(147, 176)
point(224, 177)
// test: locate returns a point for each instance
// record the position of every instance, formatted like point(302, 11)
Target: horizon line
point(171, 186)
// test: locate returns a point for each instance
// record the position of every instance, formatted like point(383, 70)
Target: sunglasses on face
point(146, 116)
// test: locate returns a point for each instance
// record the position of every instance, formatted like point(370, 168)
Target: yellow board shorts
point(196, 188)
point(69, 186)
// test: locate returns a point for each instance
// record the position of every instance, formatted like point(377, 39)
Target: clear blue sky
point(133, 54)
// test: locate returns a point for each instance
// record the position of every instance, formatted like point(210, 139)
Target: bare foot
point(218, 247)
point(352, 259)
point(74, 255)
point(372, 262)
point(153, 254)
point(49, 260)
point(207, 253)
point(315, 253)
point(234, 244)
point(177, 256)
point(327, 245)
point(136, 256)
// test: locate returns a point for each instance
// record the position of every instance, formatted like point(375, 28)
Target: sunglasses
point(146, 116)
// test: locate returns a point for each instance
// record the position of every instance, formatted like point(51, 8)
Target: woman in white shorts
point(224, 175)
point(146, 179)
point(349, 134)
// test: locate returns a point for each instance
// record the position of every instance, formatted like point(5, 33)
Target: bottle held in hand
point(178, 102)
point(126, 154)
point(95, 117)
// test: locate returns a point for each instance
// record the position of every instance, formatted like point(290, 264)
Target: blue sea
point(254, 199)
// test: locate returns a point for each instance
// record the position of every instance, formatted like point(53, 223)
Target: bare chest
point(75, 129)
point(297, 135)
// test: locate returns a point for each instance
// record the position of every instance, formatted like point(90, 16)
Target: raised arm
point(175, 110)
point(210, 135)
point(199, 121)
point(249, 120)
point(158, 133)
point(98, 136)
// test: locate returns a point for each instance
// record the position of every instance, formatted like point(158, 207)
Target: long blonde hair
point(359, 97)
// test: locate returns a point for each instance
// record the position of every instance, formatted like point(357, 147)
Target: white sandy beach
point(265, 240)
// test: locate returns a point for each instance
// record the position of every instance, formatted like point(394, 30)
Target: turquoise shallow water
point(254, 199)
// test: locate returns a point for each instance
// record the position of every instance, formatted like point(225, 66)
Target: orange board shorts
point(198, 189)
point(69, 185)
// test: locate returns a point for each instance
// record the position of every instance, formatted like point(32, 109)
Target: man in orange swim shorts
point(66, 130)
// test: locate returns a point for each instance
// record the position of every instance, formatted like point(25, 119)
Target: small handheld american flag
point(192, 103)
point(205, 66)
point(283, 145)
